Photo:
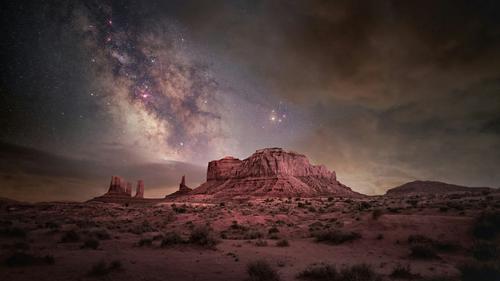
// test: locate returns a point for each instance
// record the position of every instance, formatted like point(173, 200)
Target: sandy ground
point(245, 231)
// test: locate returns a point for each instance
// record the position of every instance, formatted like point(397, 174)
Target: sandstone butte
point(271, 172)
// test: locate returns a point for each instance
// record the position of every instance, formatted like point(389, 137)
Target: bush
point(335, 237)
point(322, 272)
point(261, 271)
point(283, 243)
point(487, 226)
point(403, 272)
point(424, 252)
point(24, 259)
point(359, 272)
point(90, 243)
point(171, 238)
point(273, 229)
point(479, 271)
point(145, 242)
point(101, 234)
point(202, 236)
point(70, 237)
point(261, 243)
point(419, 239)
point(376, 214)
point(13, 232)
point(101, 268)
point(485, 251)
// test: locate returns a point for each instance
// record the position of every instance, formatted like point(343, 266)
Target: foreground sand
point(131, 237)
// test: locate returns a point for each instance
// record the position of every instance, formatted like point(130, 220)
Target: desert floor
point(420, 238)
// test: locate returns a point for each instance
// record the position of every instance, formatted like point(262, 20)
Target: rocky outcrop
point(431, 187)
point(120, 191)
point(270, 172)
point(183, 189)
point(139, 193)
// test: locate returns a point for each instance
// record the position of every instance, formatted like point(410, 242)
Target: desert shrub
point(261, 243)
point(424, 252)
point(479, 271)
point(380, 236)
point(13, 232)
point(145, 242)
point(273, 229)
point(202, 236)
point(24, 259)
point(335, 236)
point(330, 199)
point(487, 226)
point(485, 251)
point(253, 234)
point(446, 246)
point(419, 239)
point(101, 268)
point(260, 270)
point(90, 243)
point(283, 243)
point(403, 272)
point(171, 238)
point(376, 214)
point(321, 272)
point(357, 272)
point(100, 233)
point(70, 236)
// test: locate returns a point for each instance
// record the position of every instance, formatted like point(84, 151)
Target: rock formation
point(120, 191)
point(183, 189)
point(431, 187)
point(140, 189)
point(129, 189)
point(270, 172)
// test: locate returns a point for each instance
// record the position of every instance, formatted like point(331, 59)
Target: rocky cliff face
point(271, 172)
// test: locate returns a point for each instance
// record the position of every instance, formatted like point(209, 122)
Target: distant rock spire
point(183, 186)
point(129, 188)
point(140, 189)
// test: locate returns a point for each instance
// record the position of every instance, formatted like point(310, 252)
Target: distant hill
point(431, 187)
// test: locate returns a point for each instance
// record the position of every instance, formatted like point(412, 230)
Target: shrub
point(322, 272)
point(101, 234)
point(479, 271)
point(145, 242)
point(424, 252)
point(335, 237)
point(403, 272)
point(253, 234)
point(485, 251)
point(261, 243)
point(171, 238)
point(24, 259)
point(90, 243)
point(419, 239)
point(273, 229)
point(376, 214)
point(261, 271)
point(487, 226)
point(70, 236)
point(359, 272)
point(13, 232)
point(101, 268)
point(202, 236)
point(283, 243)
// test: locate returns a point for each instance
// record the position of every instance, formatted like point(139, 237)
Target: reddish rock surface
point(139, 193)
point(129, 189)
point(271, 172)
point(431, 187)
point(183, 189)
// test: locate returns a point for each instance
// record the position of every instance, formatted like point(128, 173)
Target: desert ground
point(446, 237)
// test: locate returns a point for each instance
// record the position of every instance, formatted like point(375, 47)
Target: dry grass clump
point(326, 272)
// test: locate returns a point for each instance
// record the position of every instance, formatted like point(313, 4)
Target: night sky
point(382, 92)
